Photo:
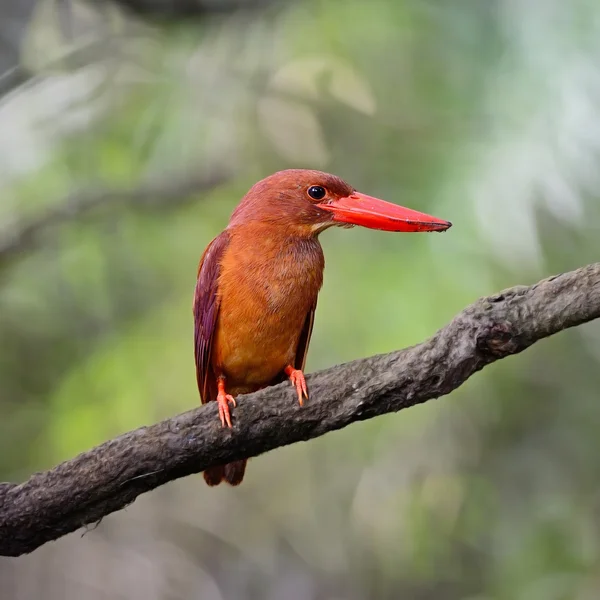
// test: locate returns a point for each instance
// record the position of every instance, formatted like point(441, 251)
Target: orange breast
point(269, 282)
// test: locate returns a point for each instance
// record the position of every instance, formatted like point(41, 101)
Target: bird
point(257, 285)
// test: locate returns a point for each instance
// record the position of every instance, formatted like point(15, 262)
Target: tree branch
point(25, 235)
point(181, 9)
point(112, 475)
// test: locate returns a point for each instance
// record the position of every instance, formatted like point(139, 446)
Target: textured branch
point(109, 477)
point(24, 236)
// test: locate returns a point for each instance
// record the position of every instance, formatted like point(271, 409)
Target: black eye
point(316, 192)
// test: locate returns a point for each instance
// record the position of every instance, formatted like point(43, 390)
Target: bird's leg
point(223, 400)
point(297, 378)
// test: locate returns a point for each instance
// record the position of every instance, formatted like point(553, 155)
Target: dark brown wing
point(304, 341)
point(302, 348)
point(206, 311)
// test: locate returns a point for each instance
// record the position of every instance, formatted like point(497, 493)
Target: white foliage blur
point(543, 103)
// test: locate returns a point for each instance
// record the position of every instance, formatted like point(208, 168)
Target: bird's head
point(308, 202)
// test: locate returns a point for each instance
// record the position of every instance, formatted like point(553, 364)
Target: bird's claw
point(223, 401)
point(297, 379)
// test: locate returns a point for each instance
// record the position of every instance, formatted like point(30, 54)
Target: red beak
point(366, 211)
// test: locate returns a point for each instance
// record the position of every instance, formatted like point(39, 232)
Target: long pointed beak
point(366, 211)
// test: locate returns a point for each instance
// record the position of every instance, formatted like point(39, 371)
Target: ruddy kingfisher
point(258, 282)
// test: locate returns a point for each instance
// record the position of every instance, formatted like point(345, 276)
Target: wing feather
point(304, 340)
point(206, 311)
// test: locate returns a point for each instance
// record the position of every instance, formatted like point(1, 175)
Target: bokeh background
point(129, 130)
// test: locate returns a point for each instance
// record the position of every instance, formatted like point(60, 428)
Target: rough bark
point(111, 476)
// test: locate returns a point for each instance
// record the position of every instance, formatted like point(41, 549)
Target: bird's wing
point(206, 311)
point(304, 340)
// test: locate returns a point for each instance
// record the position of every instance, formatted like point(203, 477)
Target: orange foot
point(297, 378)
point(223, 400)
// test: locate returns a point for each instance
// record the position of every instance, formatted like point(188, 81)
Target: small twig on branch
point(24, 236)
point(111, 476)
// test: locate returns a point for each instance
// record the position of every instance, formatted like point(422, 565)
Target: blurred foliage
point(485, 113)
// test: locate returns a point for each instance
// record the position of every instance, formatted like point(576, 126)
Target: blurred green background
point(126, 140)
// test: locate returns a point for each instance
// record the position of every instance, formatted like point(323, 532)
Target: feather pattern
point(206, 311)
point(304, 340)
point(269, 286)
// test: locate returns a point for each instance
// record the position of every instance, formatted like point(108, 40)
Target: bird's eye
point(316, 192)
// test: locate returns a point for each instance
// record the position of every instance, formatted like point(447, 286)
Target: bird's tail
point(232, 473)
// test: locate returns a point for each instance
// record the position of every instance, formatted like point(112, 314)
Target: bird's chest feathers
point(267, 288)
point(290, 286)
point(277, 276)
